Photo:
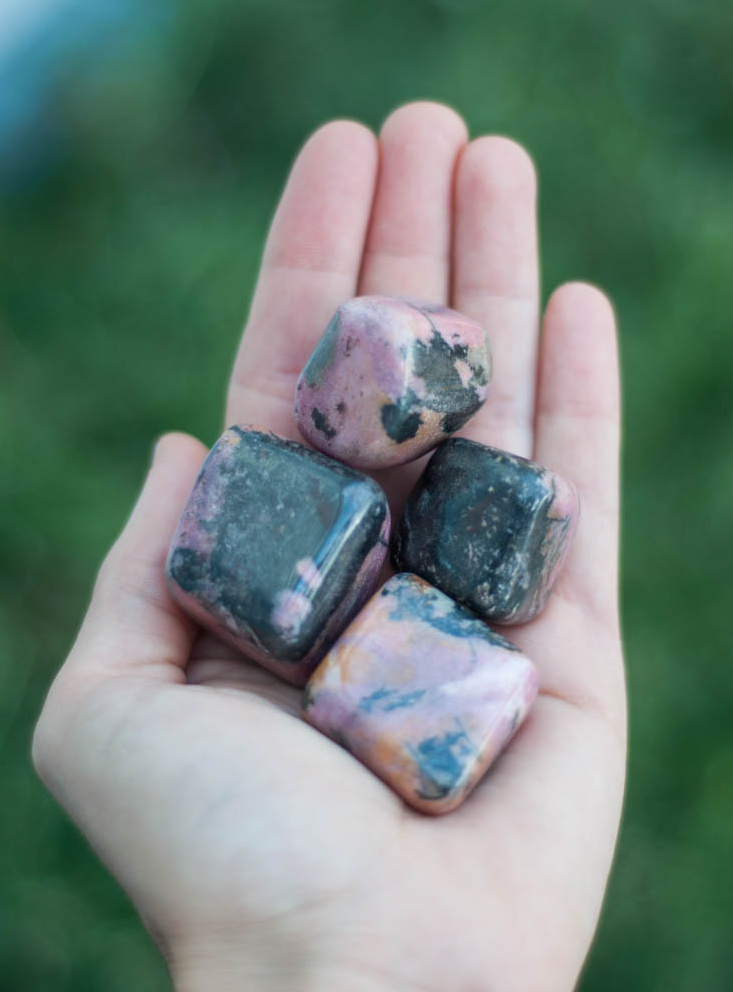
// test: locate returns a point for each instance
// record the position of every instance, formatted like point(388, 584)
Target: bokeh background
point(142, 148)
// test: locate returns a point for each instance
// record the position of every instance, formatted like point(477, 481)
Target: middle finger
point(409, 242)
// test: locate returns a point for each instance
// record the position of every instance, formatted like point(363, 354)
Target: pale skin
point(260, 855)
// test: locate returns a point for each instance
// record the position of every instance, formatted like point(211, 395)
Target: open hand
point(259, 853)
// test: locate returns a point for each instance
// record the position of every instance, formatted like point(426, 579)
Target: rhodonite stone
point(422, 692)
point(277, 548)
point(390, 379)
point(488, 528)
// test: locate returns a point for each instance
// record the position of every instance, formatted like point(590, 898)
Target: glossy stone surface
point(422, 692)
point(390, 379)
point(488, 528)
point(277, 548)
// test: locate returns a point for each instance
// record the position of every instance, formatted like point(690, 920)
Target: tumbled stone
point(488, 528)
point(390, 379)
point(422, 692)
point(277, 548)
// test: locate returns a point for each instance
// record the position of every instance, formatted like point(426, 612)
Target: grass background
point(134, 198)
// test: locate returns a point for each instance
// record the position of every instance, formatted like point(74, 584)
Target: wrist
point(215, 979)
point(220, 970)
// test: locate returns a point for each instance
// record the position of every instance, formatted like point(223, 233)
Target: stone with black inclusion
point(277, 548)
point(422, 692)
point(488, 528)
point(390, 379)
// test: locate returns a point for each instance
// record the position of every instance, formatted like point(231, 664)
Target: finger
point(133, 625)
point(577, 434)
point(496, 281)
point(310, 266)
point(565, 768)
point(408, 246)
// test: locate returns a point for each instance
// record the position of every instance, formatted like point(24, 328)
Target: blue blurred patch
point(88, 32)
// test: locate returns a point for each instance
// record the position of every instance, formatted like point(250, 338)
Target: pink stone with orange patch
point(422, 692)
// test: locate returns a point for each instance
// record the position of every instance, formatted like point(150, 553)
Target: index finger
point(310, 266)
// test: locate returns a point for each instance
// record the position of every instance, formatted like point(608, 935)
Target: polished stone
point(488, 528)
point(390, 379)
point(422, 692)
point(277, 548)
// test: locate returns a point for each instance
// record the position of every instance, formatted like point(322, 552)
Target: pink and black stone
point(390, 379)
point(488, 528)
point(277, 548)
point(422, 692)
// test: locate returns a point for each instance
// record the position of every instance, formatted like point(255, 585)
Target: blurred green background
point(143, 149)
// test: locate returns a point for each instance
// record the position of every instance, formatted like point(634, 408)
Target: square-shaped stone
point(277, 548)
point(422, 692)
point(488, 528)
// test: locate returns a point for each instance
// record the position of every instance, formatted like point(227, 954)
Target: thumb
point(133, 626)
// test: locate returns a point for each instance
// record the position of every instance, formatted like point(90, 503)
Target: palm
point(276, 823)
